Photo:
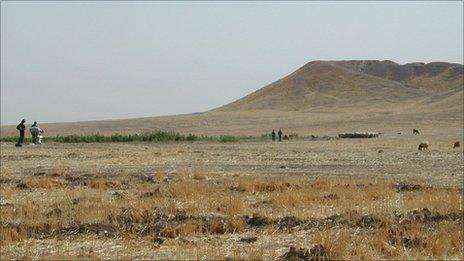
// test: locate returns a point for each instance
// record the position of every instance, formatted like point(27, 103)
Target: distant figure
point(424, 145)
point(285, 137)
point(280, 134)
point(21, 127)
point(273, 135)
point(399, 133)
point(414, 131)
point(456, 145)
point(35, 133)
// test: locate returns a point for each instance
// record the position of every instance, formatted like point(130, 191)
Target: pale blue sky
point(73, 61)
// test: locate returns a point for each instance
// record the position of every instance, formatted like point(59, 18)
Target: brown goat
point(424, 145)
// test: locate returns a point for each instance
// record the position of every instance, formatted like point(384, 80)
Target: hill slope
point(348, 83)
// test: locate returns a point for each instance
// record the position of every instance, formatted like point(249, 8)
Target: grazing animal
point(424, 145)
point(39, 139)
point(399, 133)
point(456, 145)
point(414, 131)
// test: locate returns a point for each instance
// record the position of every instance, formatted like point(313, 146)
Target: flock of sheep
point(422, 146)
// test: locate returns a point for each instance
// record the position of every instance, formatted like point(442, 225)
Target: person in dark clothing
point(21, 127)
point(273, 135)
point(280, 135)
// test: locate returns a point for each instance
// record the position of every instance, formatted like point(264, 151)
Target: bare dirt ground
point(339, 199)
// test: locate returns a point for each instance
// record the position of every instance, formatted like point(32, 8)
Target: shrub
point(228, 138)
point(158, 136)
point(266, 136)
point(293, 135)
point(191, 137)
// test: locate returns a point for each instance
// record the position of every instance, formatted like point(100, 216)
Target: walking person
point(273, 135)
point(21, 127)
point(35, 132)
point(280, 134)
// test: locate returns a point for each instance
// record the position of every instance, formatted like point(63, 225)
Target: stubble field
point(339, 199)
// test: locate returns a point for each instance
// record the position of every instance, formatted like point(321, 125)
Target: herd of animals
point(425, 144)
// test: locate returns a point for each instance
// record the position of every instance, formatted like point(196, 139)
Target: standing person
point(21, 127)
point(35, 132)
point(280, 134)
point(273, 135)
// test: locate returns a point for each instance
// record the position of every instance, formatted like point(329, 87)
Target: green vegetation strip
point(159, 136)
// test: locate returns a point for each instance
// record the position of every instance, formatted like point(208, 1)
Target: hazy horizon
point(64, 62)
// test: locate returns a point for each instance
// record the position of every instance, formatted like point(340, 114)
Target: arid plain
point(321, 198)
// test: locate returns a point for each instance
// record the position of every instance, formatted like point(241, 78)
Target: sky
point(76, 61)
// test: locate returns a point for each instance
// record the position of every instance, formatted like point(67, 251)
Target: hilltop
point(349, 83)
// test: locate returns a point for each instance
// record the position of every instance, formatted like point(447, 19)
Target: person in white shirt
point(35, 132)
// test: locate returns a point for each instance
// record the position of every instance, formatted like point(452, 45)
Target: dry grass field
point(339, 199)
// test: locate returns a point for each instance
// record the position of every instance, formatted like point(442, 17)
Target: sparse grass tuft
point(199, 172)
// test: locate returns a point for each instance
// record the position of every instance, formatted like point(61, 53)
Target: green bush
point(266, 136)
point(293, 136)
point(14, 139)
point(191, 137)
point(228, 138)
point(158, 136)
